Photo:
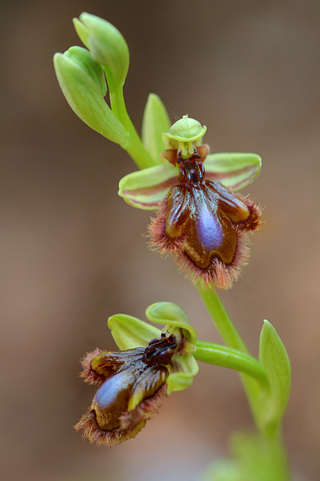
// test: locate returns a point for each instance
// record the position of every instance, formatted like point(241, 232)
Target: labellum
point(202, 223)
point(132, 386)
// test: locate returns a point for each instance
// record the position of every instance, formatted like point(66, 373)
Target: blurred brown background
point(73, 253)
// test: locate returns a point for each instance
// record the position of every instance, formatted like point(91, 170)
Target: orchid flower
point(200, 220)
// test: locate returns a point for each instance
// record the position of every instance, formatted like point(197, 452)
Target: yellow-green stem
point(134, 147)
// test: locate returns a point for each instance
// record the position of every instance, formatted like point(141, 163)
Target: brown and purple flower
point(200, 220)
point(133, 383)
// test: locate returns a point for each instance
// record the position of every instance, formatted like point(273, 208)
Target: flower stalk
point(260, 394)
point(230, 358)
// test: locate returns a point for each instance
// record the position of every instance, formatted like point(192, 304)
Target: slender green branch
point(220, 317)
point(232, 338)
point(134, 147)
point(231, 358)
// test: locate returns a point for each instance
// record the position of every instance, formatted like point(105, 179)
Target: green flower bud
point(83, 84)
point(106, 44)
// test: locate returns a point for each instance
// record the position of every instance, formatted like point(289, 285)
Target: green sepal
point(82, 31)
point(174, 317)
point(82, 82)
point(233, 170)
point(130, 332)
point(155, 122)
point(106, 44)
point(145, 189)
point(177, 381)
point(275, 361)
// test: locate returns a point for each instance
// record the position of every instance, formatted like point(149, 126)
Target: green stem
point(224, 356)
point(220, 317)
point(232, 338)
point(134, 147)
point(252, 371)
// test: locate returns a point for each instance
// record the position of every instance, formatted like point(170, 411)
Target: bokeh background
point(72, 252)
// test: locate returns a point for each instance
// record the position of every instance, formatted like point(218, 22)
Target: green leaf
point(155, 122)
point(145, 189)
point(130, 332)
point(172, 316)
point(275, 361)
point(233, 170)
point(82, 82)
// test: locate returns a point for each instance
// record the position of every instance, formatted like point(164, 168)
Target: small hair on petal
point(218, 272)
point(131, 422)
point(253, 222)
point(88, 374)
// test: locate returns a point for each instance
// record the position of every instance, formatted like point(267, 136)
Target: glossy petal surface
point(205, 217)
point(147, 384)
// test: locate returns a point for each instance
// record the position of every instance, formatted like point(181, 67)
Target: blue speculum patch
point(209, 229)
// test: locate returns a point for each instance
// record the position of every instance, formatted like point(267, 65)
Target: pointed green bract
point(172, 316)
point(155, 122)
point(130, 332)
point(275, 361)
point(145, 189)
point(82, 82)
point(106, 44)
point(233, 170)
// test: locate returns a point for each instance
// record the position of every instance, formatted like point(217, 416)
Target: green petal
point(145, 189)
point(82, 82)
point(177, 381)
point(130, 332)
point(172, 316)
point(155, 122)
point(233, 170)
